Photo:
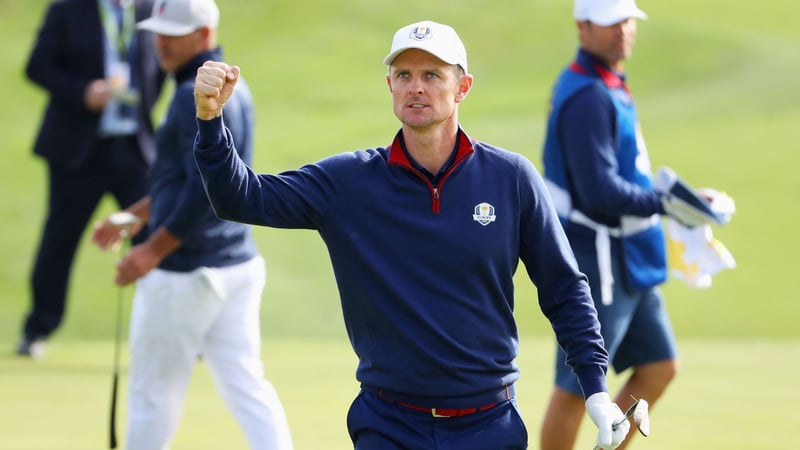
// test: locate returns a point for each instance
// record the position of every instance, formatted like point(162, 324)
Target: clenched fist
point(213, 87)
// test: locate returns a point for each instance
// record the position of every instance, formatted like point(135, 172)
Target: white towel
point(694, 255)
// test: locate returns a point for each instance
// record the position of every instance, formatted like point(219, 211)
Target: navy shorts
point(375, 423)
point(635, 326)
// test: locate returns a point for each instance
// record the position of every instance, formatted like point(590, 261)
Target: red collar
point(465, 147)
point(608, 77)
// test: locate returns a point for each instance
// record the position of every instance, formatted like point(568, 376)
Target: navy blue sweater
point(425, 272)
point(178, 201)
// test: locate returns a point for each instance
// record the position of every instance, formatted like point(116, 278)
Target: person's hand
point(96, 95)
point(213, 87)
point(108, 235)
point(136, 264)
point(146, 256)
point(611, 422)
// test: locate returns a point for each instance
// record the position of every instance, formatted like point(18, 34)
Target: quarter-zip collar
point(398, 156)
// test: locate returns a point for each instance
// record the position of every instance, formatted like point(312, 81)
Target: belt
point(493, 398)
point(446, 412)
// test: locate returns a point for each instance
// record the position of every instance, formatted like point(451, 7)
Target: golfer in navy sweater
point(425, 236)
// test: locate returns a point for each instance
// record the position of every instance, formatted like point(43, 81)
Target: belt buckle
point(435, 414)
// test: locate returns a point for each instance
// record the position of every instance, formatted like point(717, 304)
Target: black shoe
point(32, 348)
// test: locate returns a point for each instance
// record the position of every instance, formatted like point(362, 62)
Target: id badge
point(119, 76)
point(119, 80)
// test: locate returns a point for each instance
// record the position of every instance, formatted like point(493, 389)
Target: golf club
point(125, 220)
point(640, 410)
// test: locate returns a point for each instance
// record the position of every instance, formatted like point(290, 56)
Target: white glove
point(611, 422)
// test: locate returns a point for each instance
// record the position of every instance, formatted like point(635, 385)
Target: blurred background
point(717, 91)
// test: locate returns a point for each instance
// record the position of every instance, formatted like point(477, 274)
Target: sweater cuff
point(592, 380)
point(210, 133)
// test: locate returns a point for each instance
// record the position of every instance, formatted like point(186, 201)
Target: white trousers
point(213, 312)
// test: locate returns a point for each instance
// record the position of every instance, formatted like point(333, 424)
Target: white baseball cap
point(181, 17)
point(607, 12)
point(439, 40)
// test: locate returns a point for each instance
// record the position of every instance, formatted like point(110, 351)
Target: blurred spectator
point(598, 172)
point(102, 78)
point(199, 279)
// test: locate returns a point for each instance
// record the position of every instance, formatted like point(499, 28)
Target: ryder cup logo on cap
point(181, 17)
point(439, 40)
point(607, 12)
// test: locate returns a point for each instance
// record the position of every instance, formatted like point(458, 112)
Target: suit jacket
point(68, 54)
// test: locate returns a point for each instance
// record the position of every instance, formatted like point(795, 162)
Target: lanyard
point(122, 35)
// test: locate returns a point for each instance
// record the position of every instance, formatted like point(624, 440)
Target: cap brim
point(394, 54)
point(158, 25)
point(391, 56)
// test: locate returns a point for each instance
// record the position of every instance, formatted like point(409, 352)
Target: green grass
point(721, 399)
point(719, 103)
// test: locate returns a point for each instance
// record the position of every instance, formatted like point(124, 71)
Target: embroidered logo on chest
point(484, 214)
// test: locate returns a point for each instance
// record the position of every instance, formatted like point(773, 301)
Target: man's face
point(175, 51)
point(425, 89)
point(613, 44)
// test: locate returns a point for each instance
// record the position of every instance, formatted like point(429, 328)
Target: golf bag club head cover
point(610, 420)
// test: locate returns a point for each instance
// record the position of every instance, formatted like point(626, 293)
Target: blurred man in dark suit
point(103, 79)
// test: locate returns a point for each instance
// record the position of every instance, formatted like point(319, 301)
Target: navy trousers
point(377, 424)
point(117, 168)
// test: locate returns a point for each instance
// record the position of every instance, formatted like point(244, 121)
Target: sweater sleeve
point(290, 199)
point(564, 294)
point(588, 131)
